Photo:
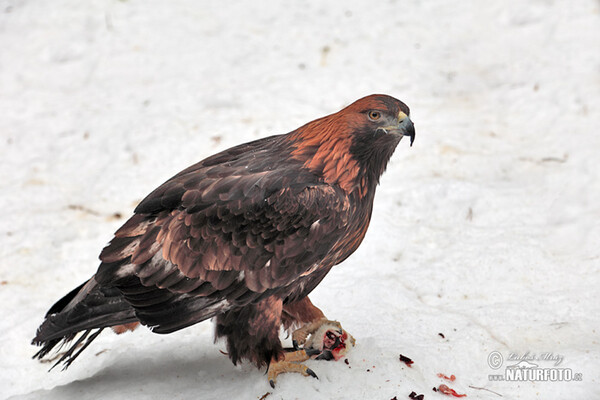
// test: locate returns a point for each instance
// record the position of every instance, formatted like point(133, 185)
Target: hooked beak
point(406, 127)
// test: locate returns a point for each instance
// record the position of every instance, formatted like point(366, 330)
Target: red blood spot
point(449, 392)
point(450, 378)
point(338, 352)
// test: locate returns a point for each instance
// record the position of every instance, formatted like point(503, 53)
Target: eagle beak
point(406, 127)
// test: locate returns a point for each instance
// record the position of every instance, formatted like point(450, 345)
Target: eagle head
point(353, 146)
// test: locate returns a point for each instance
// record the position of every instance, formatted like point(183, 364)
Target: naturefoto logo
point(531, 367)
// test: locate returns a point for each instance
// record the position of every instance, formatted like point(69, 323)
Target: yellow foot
point(290, 363)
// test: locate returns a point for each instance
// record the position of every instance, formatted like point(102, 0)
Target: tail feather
point(62, 303)
point(90, 308)
point(85, 309)
point(68, 357)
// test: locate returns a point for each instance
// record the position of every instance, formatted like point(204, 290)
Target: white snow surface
point(487, 230)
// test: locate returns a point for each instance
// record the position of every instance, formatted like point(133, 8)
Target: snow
point(486, 230)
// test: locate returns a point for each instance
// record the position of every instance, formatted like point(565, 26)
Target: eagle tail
point(88, 309)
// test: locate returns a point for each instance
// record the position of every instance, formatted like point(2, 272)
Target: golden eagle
point(243, 236)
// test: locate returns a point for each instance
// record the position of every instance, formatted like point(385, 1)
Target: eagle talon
point(311, 373)
point(290, 363)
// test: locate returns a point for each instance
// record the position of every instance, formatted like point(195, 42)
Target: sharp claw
point(311, 373)
point(272, 383)
point(312, 352)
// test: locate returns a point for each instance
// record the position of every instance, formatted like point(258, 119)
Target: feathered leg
point(252, 332)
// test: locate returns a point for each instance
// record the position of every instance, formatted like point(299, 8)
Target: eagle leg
point(290, 363)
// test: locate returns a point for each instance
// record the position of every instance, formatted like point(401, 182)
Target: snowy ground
point(487, 230)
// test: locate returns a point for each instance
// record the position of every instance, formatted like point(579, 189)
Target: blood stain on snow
point(406, 360)
point(449, 391)
point(450, 378)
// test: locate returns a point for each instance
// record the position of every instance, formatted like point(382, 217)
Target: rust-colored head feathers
point(351, 148)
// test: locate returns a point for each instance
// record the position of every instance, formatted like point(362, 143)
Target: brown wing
point(221, 236)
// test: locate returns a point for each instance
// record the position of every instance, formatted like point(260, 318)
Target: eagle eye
point(374, 115)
